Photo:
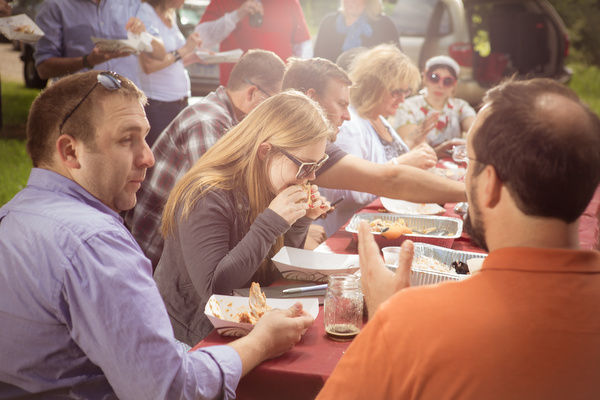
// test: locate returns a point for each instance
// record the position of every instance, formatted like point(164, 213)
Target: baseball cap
point(442, 60)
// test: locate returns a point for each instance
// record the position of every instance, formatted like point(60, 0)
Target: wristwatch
point(176, 55)
point(86, 63)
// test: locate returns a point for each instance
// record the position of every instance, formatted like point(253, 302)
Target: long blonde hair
point(288, 120)
point(384, 67)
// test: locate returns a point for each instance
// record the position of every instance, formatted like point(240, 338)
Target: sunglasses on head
point(108, 79)
point(447, 82)
point(401, 92)
point(305, 168)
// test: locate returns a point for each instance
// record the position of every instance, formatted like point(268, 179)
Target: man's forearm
point(389, 180)
point(59, 66)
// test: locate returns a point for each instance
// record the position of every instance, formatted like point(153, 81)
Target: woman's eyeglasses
point(305, 168)
point(108, 79)
point(401, 92)
point(448, 81)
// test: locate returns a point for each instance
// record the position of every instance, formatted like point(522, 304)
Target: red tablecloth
point(300, 373)
point(297, 375)
point(589, 229)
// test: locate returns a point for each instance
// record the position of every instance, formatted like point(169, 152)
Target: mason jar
point(343, 307)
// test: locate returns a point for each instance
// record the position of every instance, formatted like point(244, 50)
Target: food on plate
point(431, 264)
point(24, 28)
point(307, 187)
point(390, 229)
point(460, 267)
point(258, 307)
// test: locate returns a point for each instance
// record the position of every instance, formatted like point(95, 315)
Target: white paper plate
point(408, 208)
point(314, 266)
point(11, 28)
point(228, 306)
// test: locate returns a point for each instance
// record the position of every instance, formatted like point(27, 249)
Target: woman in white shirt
point(166, 82)
point(383, 76)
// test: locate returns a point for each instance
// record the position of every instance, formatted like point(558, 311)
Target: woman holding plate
point(239, 204)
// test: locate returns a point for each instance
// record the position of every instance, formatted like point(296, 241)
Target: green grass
point(15, 164)
point(15, 168)
point(586, 82)
point(16, 100)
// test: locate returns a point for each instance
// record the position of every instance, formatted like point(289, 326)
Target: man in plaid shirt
point(255, 77)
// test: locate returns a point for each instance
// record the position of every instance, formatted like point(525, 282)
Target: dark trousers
point(160, 114)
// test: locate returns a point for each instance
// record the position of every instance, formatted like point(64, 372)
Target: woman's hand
point(290, 204)
point(422, 156)
point(135, 25)
point(320, 205)
point(192, 42)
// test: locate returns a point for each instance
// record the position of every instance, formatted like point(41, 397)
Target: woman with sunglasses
point(435, 116)
point(238, 205)
point(383, 76)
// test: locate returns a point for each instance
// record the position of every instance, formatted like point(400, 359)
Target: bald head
point(545, 145)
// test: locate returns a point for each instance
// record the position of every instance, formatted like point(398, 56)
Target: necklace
point(381, 130)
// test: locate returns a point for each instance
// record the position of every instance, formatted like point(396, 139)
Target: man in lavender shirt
point(80, 314)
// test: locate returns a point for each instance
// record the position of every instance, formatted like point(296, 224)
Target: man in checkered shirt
point(255, 77)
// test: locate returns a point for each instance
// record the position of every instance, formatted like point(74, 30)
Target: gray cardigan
point(213, 251)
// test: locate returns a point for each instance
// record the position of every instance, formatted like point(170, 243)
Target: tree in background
point(582, 18)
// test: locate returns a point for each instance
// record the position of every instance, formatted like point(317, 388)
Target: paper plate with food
point(408, 208)
point(210, 57)
point(236, 315)
point(20, 27)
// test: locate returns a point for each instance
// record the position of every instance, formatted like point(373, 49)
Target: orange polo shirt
point(526, 326)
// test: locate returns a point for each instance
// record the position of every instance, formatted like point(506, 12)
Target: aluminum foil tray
point(454, 226)
point(443, 255)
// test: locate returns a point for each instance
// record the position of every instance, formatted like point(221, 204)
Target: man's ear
point(250, 91)
point(263, 150)
point(491, 186)
point(67, 150)
point(312, 93)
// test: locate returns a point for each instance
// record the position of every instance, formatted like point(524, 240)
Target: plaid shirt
point(195, 130)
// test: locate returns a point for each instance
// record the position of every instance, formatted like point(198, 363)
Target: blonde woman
point(383, 76)
point(239, 204)
point(358, 23)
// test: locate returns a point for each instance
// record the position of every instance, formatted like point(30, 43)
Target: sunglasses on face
point(305, 168)
point(448, 81)
point(401, 93)
point(108, 79)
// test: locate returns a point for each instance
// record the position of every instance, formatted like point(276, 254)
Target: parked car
point(490, 39)
point(30, 75)
point(204, 78)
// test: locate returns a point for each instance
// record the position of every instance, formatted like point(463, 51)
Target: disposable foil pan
point(454, 226)
point(443, 255)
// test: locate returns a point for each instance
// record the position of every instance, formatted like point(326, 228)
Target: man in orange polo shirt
point(526, 324)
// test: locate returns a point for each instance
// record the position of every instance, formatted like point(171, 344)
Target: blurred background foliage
point(582, 18)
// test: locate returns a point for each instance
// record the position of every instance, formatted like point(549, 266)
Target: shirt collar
point(55, 182)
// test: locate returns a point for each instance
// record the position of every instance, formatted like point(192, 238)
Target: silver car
point(490, 39)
